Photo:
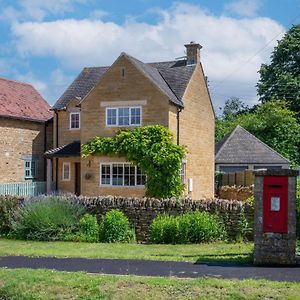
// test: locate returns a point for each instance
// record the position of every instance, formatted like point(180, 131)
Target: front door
point(77, 179)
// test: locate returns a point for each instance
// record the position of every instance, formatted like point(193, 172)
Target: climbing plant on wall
point(152, 149)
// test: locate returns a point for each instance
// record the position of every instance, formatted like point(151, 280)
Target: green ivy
point(152, 149)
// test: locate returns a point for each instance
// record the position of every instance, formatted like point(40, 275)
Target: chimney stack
point(193, 53)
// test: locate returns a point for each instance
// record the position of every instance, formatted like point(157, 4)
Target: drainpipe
point(178, 112)
point(56, 159)
point(45, 147)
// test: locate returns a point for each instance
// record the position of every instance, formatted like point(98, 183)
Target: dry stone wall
point(141, 212)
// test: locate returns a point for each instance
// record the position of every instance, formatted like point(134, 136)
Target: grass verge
point(45, 284)
point(214, 252)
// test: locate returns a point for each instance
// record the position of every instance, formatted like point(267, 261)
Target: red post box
point(275, 206)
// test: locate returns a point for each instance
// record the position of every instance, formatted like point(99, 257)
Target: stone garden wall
point(141, 212)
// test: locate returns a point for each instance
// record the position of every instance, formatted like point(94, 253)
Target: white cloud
point(244, 8)
point(31, 78)
point(51, 88)
point(228, 43)
point(37, 9)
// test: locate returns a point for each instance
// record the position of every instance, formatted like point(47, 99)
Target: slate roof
point(72, 149)
point(171, 77)
point(22, 101)
point(241, 147)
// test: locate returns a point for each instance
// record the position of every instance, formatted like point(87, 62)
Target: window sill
point(114, 126)
point(121, 186)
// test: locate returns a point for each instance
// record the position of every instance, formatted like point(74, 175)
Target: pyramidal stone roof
point(171, 77)
point(240, 147)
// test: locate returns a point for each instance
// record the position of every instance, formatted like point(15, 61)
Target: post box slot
point(275, 186)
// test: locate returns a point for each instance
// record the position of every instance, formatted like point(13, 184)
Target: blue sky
point(47, 42)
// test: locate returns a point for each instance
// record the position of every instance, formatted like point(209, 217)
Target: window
point(183, 172)
point(123, 116)
point(66, 171)
point(231, 169)
point(30, 169)
point(75, 120)
point(267, 167)
point(121, 174)
point(123, 72)
point(140, 177)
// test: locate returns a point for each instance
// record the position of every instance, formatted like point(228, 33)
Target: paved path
point(152, 268)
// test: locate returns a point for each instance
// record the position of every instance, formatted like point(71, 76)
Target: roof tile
point(22, 101)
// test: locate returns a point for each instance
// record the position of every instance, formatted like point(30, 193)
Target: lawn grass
point(213, 252)
point(45, 284)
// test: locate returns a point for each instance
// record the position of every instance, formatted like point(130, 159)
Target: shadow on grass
point(217, 259)
point(226, 259)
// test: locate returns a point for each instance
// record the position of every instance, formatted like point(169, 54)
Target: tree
point(281, 78)
point(273, 123)
point(233, 106)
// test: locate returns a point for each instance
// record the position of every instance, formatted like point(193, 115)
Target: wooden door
point(77, 179)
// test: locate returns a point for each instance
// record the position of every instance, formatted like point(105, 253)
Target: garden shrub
point(88, 229)
point(164, 229)
point(114, 227)
point(8, 205)
point(46, 218)
point(205, 227)
point(192, 227)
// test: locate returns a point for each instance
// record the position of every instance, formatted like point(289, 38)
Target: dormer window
point(74, 120)
point(123, 116)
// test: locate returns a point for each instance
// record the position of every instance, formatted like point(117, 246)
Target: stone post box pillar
point(275, 217)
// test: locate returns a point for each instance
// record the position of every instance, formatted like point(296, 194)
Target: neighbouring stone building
point(25, 132)
point(103, 100)
point(240, 150)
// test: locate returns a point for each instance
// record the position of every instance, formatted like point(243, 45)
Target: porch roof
point(72, 149)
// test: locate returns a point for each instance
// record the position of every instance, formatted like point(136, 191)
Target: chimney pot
point(193, 53)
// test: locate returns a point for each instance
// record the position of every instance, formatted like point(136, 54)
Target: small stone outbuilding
point(240, 150)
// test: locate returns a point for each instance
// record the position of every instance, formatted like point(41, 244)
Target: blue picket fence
point(23, 188)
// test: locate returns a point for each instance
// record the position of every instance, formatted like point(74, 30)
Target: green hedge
point(193, 227)
point(298, 209)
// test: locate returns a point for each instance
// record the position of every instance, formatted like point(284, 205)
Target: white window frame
point(111, 164)
point(117, 116)
point(182, 173)
point(63, 171)
point(30, 168)
point(70, 121)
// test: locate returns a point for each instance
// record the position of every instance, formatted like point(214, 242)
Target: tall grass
point(46, 219)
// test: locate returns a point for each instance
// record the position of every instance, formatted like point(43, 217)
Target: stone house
point(103, 100)
point(25, 132)
point(240, 150)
